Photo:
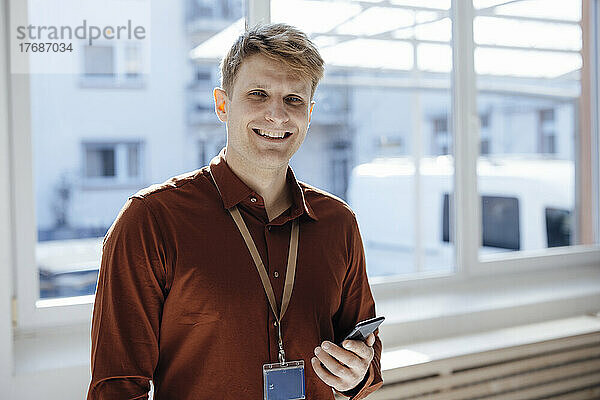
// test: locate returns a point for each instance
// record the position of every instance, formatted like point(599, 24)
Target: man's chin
point(272, 159)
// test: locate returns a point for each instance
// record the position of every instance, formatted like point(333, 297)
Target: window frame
point(33, 313)
point(593, 44)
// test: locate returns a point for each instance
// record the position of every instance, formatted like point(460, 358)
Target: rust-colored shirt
point(180, 302)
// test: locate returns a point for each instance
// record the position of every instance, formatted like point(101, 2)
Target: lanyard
point(262, 271)
point(289, 274)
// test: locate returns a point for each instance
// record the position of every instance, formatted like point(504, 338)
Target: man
point(213, 280)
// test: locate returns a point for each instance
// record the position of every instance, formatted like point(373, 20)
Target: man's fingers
point(341, 355)
point(334, 366)
point(360, 348)
point(370, 340)
point(323, 374)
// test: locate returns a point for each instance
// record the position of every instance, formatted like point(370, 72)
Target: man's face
point(267, 112)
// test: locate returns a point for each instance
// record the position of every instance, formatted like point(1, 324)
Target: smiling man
point(237, 281)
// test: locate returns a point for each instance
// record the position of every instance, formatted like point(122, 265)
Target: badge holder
point(284, 381)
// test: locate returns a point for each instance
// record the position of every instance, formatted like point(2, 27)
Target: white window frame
point(594, 65)
point(35, 314)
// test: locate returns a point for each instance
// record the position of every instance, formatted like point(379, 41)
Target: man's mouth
point(274, 135)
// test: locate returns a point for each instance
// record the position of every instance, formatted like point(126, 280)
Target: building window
point(222, 9)
point(203, 74)
point(440, 144)
point(209, 148)
point(484, 124)
point(110, 163)
point(547, 137)
point(112, 64)
point(133, 61)
point(99, 62)
point(340, 166)
point(100, 162)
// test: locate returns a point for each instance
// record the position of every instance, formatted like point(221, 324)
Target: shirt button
point(253, 199)
point(274, 323)
point(276, 274)
point(269, 227)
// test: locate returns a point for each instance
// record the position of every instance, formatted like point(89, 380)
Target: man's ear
point(220, 104)
point(312, 104)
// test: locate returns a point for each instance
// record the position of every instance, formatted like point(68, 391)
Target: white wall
point(65, 113)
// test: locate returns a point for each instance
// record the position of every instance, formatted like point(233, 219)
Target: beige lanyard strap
point(289, 274)
point(291, 264)
point(262, 271)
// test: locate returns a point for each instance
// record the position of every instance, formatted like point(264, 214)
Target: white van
point(527, 204)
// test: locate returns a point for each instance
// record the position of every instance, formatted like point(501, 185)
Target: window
point(214, 9)
point(89, 148)
point(110, 163)
point(133, 61)
point(484, 133)
point(547, 139)
point(100, 162)
point(208, 148)
point(386, 91)
point(112, 64)
point(527, 61)
point(203, 75)
point(340, 163)
point(440, 143)
point(99, 61)
point(388, 124)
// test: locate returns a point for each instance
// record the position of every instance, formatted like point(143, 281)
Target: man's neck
point(269, 183)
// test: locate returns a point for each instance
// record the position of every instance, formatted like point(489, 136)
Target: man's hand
point(345, 367)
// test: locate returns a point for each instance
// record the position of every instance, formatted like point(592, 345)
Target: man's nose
point(276, 113)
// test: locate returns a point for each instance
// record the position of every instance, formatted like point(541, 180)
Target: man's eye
point(258, 93)
point(293, 99)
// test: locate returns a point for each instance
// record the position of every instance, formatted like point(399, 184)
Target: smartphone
point(364, 329)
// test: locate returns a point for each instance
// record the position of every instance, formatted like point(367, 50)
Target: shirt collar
point(233, 190)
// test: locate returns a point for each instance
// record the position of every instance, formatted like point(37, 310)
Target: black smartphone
point(364, 329)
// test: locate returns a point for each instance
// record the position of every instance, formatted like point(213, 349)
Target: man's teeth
point(270, 134)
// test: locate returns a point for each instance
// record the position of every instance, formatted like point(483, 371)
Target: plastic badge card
point(284, 381)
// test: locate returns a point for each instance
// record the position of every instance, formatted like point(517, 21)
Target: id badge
point(284, 381)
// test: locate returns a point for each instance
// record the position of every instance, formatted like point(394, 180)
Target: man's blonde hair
point(279, 42)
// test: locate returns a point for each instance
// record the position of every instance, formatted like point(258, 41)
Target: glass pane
point(89, 160)
point(99, 61)
point(380, 124)
point(133, 160)
point(133, 61)
point(528, 65)
point(100, 162)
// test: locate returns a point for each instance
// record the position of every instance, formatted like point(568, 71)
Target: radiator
point(565, 368)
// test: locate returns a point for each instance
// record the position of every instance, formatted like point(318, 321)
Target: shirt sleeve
point(128, 306)
point(358, 305)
